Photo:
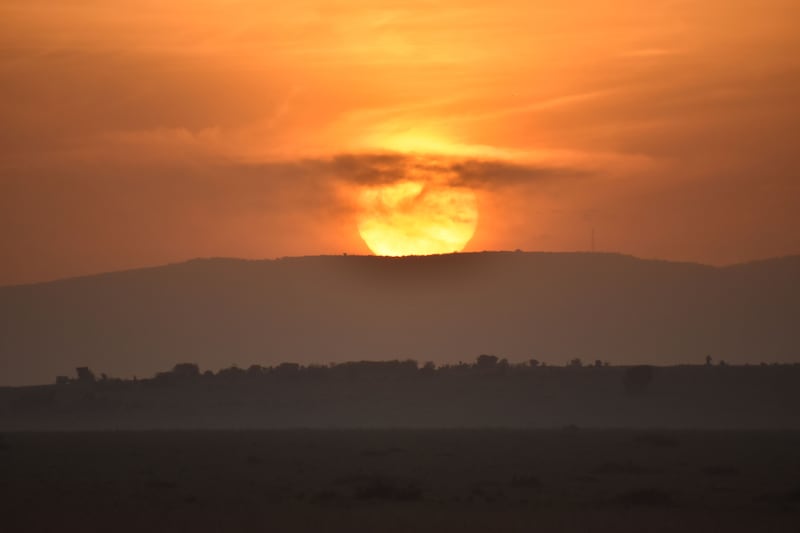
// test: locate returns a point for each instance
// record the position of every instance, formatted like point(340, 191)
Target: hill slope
point(217, 312)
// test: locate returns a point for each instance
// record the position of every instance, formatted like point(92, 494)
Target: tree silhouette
point(85, 375)
point(187, 370)
point(486, 361)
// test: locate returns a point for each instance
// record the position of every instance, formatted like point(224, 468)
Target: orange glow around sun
point(412, 218)
point(422, 213)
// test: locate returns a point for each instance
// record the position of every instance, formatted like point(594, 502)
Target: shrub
point(721, 470)
point(658, 440)
point(526, 482)
point(385, 489)
point(646, 497)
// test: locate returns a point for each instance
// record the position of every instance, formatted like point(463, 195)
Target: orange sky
point(134, 134)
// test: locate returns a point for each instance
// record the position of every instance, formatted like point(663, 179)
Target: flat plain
point(569, 479)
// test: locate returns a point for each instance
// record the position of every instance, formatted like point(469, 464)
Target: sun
point(415, 218)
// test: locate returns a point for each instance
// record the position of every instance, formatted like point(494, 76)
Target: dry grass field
point(401, 480)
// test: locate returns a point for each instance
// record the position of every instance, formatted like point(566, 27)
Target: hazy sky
point(136, 133)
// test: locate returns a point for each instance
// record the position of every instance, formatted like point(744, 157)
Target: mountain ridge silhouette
point(444, 308)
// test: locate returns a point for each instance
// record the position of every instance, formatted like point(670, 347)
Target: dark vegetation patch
point(487, 491)
point(720, 470)
point(381, 452)
point(380, 488)
point(523, 395)
point(353, 479)
point(791, 496)
point(160, 484)
point(526, 482)
point(324, 496)
point(646, 497)
point(656, 440)
point(724, 489)
point(627, 468)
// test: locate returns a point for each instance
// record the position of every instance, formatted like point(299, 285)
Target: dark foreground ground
point(385, 480)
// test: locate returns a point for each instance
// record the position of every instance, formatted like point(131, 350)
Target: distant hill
point(548, 306)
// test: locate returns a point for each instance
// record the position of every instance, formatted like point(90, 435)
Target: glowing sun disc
point(409, 218)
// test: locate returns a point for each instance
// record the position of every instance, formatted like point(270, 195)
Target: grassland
point(401, 480)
